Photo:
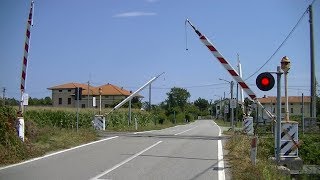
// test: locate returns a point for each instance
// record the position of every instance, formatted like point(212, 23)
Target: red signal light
point(265, 81)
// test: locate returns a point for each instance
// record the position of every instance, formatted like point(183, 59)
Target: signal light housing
point(76, 93)
point(265, 81)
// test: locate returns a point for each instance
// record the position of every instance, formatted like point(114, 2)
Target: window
point(60, 90)
point(69, 90)
point(274, 110)
point(291, 104)
point(106, 96)
point(282, 103)
point(282, 110)
point(291, 110)
point(60, 100)
point(69, 100)
point(83, 106)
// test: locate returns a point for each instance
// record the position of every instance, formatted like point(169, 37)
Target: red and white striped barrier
point(228, 67)
point(253, 152)
point(26, 51)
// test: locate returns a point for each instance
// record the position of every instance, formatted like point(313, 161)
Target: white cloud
point(135, 14)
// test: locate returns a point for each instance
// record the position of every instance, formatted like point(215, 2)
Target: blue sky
point(127, 42)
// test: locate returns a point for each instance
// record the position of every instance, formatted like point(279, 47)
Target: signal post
point(286, 132)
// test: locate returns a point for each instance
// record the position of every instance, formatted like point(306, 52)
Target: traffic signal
point(265, 81)
point(76, 93)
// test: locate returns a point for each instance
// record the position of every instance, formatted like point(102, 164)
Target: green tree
point(177, 97)
point(40, 102)
point(202, 104)
point(135, 103)
point(47, 101)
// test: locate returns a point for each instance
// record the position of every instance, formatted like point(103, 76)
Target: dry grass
point(239, 158)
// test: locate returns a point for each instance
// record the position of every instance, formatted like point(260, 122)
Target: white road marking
point(56, 153)
point(185, 131)
point(124, 162)
point(221, 173)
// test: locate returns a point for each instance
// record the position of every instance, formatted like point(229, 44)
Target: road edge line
point(221, 173)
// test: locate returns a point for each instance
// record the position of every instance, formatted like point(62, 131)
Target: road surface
point(191, 151)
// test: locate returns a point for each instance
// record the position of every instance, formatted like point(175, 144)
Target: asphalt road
point(191, 151)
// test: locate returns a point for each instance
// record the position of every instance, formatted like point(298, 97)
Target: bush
point(309, 151)
point(239, 158)
point(38, 138)
point(161, 117)
point(12, 149)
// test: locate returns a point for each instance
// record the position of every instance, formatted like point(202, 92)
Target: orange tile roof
point(291, 99)
point(107, 89)
point(69, 86)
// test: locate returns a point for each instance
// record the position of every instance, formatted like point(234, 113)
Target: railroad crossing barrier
point(99, 122)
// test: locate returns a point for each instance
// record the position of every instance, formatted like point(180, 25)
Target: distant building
point(270, 104)
point(64, 95)
point(295, 105)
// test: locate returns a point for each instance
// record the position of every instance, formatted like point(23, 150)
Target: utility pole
point(78, 99)
point(149, 97)
point(130, 113)
point(237, 105)
point(232, 113)
point(313, 78)
point(278, 125)
point(4, 96)
point(302, 108)
point(88, 92)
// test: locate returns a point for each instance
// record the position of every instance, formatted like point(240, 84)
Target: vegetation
point(203, 105)
point(39, 139)
point(238, 147)
point(50, 129)
point(239, 158)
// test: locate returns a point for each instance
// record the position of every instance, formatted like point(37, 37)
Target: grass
point(239, 146)
point(50, 129)
point(239, 158)
point(42, 141)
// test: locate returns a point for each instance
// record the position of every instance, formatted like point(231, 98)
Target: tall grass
point(39, 139)
point(238, 147)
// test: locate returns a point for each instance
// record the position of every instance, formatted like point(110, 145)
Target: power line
point(185, 87)
point(4, 96)
point(283, 42)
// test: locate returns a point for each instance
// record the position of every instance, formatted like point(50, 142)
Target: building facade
point(64, 95)
point(295, 105)
point(270, 104)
